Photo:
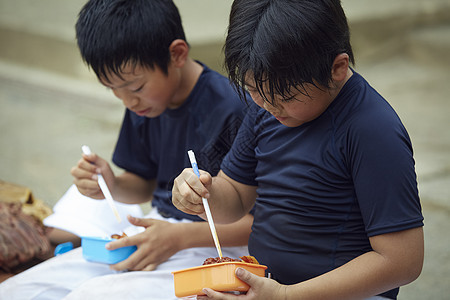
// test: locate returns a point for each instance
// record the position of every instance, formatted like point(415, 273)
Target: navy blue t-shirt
point(328, 185)
point(156, 148)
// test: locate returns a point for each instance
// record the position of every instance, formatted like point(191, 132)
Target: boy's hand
point(188, 190)
point(85, 175)
point(260, 288)
point(155, 245)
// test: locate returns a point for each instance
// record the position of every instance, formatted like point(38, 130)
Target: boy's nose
point(271, 108)
point(130, 101)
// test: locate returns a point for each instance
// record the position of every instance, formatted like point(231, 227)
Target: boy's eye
point(288, 99)
point(249, 89)
point(138, 89)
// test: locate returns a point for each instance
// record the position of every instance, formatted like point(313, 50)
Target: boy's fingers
point(88, 188)
point(195, 184)
point(80, 174)
point(206, 180)
point(186, 206)
point(183, 196)
point(88, 166)
point(127, 264)
point(211, 294)
point(144, 222)
point(247, 276)
point(91, 158)
point(85, 175)
point(150, 267)
point(122, 242)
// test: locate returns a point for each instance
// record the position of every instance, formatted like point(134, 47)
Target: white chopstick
point(206, 205)
point(101, 182)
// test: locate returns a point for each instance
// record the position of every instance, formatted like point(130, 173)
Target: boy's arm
point(132, 189)
point(228, 199)
point(396, 260)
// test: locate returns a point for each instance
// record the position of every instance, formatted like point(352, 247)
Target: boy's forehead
point(127, 74)
point(263, 86)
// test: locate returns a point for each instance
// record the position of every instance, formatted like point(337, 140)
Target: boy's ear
point(179, 52)
point(340, 67)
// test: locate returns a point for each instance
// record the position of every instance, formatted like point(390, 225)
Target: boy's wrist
point(184, 235)
point(193, 234)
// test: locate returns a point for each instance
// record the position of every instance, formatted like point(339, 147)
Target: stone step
point(379, 30)
point(430, 46)
point(34, 36)
point(42, 36)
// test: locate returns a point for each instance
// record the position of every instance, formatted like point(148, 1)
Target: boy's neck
point(190, 74)
point(349, 74)
point(341, 83)
point(338, 85)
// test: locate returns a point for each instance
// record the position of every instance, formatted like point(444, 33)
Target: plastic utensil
point(101, 182)
point(206, 205)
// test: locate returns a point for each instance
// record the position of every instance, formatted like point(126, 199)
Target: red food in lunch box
point(118, 236)
point(216, 260)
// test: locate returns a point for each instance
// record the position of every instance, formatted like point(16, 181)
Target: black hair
point(284, 44)
point(113, 33)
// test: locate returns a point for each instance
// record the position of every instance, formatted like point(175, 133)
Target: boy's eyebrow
point(125, 84)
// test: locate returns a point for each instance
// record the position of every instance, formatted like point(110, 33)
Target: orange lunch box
point(219, 277)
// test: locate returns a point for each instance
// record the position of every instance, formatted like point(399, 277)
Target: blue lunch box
point(94, 250)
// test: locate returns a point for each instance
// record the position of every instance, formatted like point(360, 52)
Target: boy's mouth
point(142, 113)
point(281, 119)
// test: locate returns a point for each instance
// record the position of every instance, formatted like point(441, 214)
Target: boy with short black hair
point(323, 157)
point(174, 104)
